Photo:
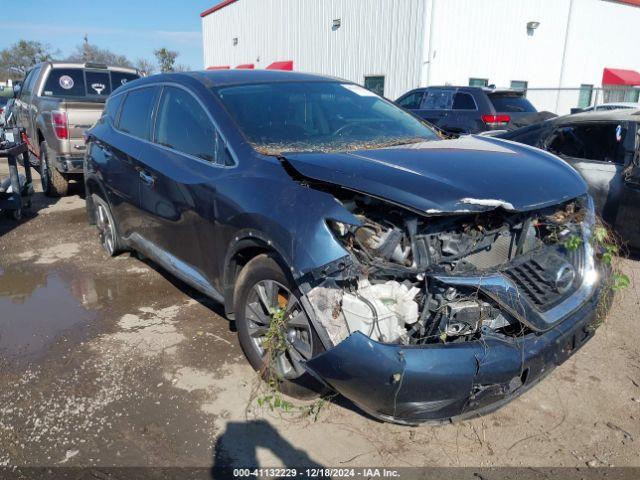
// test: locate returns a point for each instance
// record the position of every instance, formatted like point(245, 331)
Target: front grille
point(534, 278)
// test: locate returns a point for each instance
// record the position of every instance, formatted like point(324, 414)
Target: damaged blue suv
point(422, 278)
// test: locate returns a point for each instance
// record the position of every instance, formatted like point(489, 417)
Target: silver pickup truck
point(56, 103)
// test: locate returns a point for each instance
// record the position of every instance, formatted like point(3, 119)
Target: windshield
point(318, 116)
point(78, 82)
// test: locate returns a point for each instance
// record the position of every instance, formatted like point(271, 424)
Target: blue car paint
point(205, 213)
point(411, 384)
point(438, 176)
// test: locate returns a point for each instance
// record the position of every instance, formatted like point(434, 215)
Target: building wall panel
point(375, 37)
point(434, 42)
point(575, 41)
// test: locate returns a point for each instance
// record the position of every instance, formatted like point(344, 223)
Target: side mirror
point(16, 90)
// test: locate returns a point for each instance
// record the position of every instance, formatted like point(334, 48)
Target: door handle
point(146, 178)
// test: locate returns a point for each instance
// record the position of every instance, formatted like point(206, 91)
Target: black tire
point(15, 215)
point(264, 268)
point(54, 183)
point(108, 233)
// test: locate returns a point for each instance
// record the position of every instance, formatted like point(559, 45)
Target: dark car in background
point(460, 110)
point(605, 148)
point(354, 248)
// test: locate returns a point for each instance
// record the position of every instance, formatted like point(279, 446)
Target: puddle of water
point(36, 309)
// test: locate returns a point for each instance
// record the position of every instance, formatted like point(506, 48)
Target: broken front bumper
point(411, 384)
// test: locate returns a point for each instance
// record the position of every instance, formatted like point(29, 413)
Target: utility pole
point(85, 48)
point(564, 53)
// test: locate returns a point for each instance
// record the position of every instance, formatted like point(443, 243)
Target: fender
point(244, 239)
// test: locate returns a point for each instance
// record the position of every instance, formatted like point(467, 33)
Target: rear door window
point(438, 100)
point(135, 118)
point(510, 102)
point(464, 101)
point(111, 108)
point(183, 125)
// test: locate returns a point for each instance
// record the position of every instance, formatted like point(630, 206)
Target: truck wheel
point(54, 183)
point(107, 228)
point(263, 295)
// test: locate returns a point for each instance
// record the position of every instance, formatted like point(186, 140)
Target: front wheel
point(273, 328)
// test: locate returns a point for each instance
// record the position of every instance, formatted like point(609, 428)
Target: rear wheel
point(107, 228)
point(274, 330)
point(54, 183)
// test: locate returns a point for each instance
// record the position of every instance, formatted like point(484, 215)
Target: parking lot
point(114, 362)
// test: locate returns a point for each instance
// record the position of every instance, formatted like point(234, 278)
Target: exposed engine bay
point(400, 255)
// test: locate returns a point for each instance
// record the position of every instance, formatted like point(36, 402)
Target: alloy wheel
point(105, 229)
point(279, 328)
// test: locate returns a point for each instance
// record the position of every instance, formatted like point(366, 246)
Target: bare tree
point(145, 67)
point(92, 53)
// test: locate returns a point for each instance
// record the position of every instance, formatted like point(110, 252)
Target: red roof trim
point(618, 76)
point(630, 2)
point(283, 65)
point(221, 5)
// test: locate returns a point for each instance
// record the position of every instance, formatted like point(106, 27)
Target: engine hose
point(373, 311)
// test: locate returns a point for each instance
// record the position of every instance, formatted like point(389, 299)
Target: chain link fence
point(563, 100)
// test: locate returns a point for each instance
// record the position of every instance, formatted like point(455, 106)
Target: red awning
point(246, 66)
point(284, 65)
point(219, 67)
point(618, 76)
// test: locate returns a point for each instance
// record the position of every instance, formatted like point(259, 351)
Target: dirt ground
point(113, 362)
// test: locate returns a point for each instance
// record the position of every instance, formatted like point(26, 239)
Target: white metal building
point(392, 46)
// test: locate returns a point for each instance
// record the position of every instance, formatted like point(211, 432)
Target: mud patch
point(50, 255)
point(65, 204)
point(150, 331)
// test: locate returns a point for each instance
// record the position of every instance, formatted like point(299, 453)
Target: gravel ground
point(111, 362)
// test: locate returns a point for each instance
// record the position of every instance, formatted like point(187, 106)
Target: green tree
point(166, 59)
point(21, 56)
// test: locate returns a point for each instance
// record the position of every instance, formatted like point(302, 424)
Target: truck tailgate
point(81, 116)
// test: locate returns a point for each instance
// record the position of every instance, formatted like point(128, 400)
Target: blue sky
point(128, 27)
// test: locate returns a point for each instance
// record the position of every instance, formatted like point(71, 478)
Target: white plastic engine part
point(381, 311)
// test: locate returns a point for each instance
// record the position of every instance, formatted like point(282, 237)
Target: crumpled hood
point(471, 173)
